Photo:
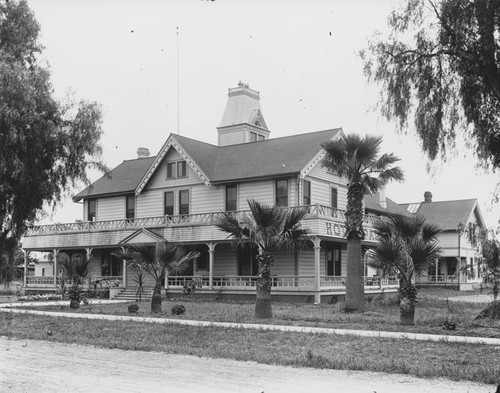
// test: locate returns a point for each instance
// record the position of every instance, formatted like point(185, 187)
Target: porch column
point(124, 273)
point(211, 254)
point(25, 279)
point(317, 270)
point(55, 251)
point(89, 250)
point(437, 269)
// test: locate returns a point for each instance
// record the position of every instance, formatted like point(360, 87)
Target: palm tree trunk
point(156, 298)
point(263, 300)
point(407, 301)
point(355, 288)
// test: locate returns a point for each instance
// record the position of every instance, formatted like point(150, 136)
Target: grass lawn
point(433, 310)
point(422, 359)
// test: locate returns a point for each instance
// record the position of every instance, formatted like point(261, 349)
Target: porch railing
point(206, 218)
point(279, 282)
point(99, 281)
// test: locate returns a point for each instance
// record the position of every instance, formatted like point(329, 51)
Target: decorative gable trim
point(258, 120)
point(317, 158)
point(143, 236)
point(171, 142)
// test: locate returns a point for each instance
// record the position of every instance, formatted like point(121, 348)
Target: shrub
point(178, 309)
point(133, 308)
point(191, 287)
point(449, 325)
point(346, 308)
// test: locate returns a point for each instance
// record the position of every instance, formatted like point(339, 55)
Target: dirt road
point(38, 366)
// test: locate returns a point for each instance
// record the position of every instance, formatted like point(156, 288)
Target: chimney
point(427, 196)
point(382, 201)
point(142, 152)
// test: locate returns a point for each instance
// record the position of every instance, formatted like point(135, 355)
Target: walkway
point(283, 328)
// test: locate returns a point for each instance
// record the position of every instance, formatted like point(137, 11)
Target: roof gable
point(171, 143)
point(142, 236)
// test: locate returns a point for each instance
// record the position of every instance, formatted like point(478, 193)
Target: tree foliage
point(156, 261)
point(406, 245)
point(269, 228)
point(440, 64)
point(45, 146)
point(491, 265)
point(357, 159)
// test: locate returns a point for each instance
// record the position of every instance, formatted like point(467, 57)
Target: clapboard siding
point(321, 183)
point(262, 191)
point(207, 199)
point(448, 240)
point(225, 261)
point(284, 263)
point(112, 208)
point(149, 204)
point(306, 262)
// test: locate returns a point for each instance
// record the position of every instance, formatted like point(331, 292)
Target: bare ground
point(39, 366)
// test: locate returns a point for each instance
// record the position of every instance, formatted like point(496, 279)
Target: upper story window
point(184, 202)
point(176, 169)
point(282, 192)
point(130, 206)
point(307, 193)
point(91, 209)
point(334, 199)
point(168, 203)
point(231, 197)
point(254, 137)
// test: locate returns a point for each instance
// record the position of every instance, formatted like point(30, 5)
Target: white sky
point(301, 55)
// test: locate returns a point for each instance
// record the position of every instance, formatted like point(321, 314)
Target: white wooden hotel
point(175, 195)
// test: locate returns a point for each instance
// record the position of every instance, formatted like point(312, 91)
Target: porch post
point(124, 274)
point(437, 271)
point(55, 266)
point(211, 253)
point(25, 279)
point(89, 250)
point(317, 270)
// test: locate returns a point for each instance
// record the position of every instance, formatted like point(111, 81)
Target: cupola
point(242, 121)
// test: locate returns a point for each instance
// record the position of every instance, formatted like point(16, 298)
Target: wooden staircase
point(131, 294)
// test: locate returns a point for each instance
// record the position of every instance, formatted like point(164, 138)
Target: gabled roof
point(270, 157)
point(120, 180)
point(446, 214)
point(253, 160)
point(372, 205)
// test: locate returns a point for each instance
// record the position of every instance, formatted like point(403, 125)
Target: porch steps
point(131, 294)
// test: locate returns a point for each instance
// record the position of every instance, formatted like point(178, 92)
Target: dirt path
point(38, 366)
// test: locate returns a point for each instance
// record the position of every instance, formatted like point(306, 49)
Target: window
point(171, 170)
point(130, 206)
point(334, 198)
point(181, 169)
point(333, 261)
point(282, 192)
point(307, 193)
point(260, 137)
point(91, 209)
point(184, 202)
point(231, 197)
point(253, 137)
point(168, 203)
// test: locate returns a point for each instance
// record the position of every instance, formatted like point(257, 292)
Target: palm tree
point(269, 228)
point(357, 159)
point(157, 261)
point(407, 245)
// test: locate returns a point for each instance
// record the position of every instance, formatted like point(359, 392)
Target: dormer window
point(176, 169)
